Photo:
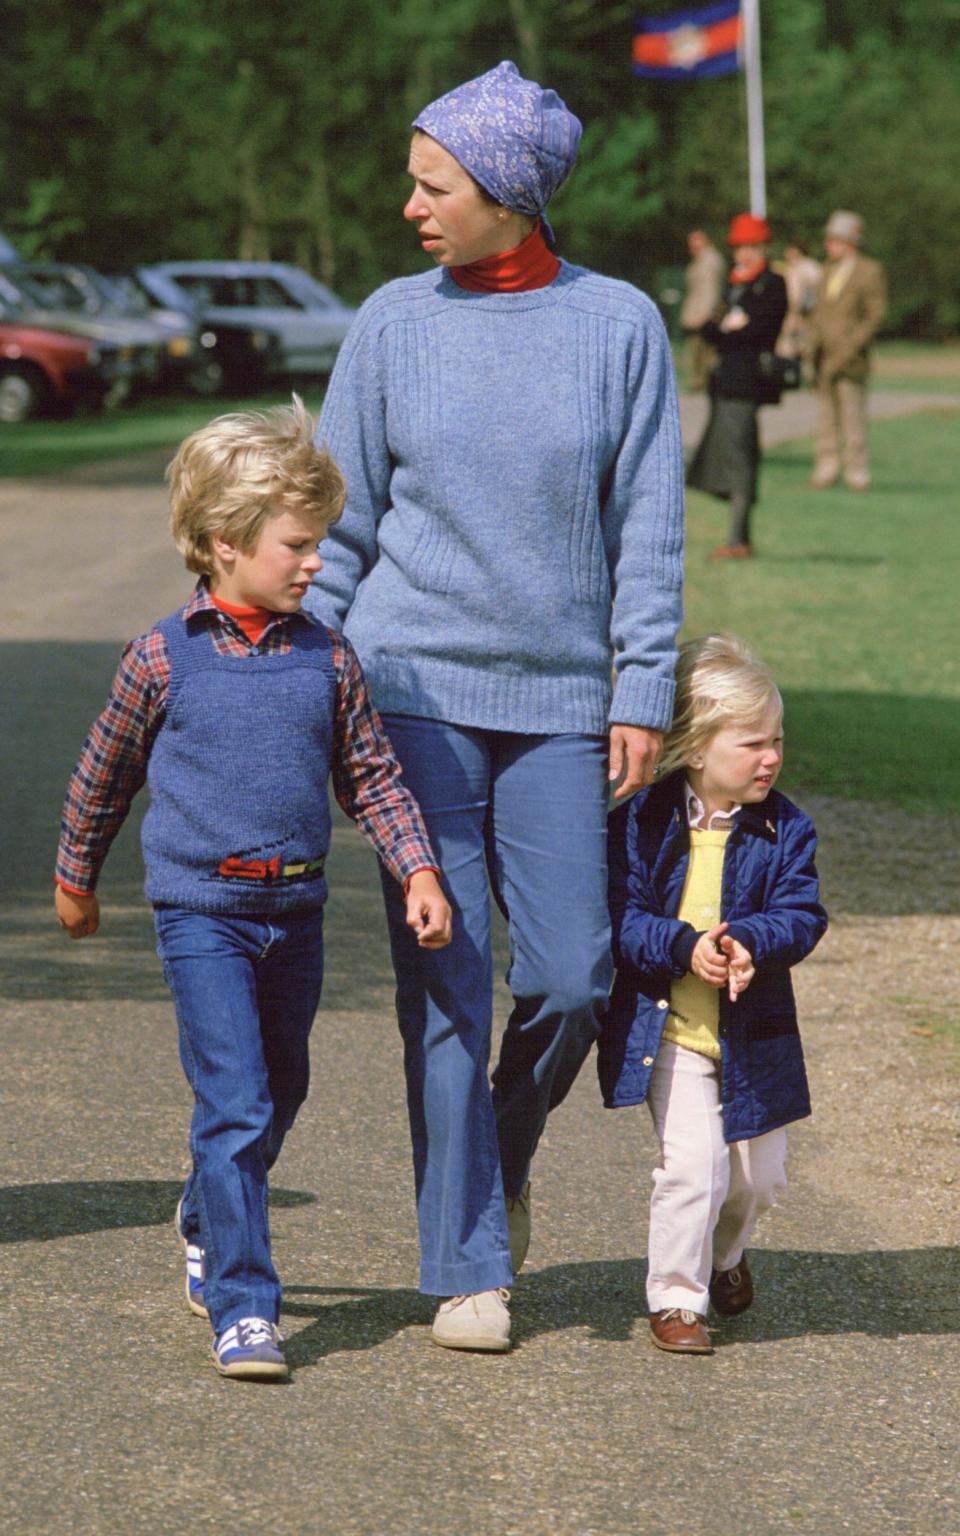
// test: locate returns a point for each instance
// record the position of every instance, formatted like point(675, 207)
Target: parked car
point(43, 370)
point(81, 300)
point(234, 356)
point(309, 321)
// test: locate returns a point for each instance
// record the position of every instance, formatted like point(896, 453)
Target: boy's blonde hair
point(229, 477)
point(719, 682)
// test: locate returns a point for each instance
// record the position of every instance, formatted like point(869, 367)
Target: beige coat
point(702, 288)
point(842, 327)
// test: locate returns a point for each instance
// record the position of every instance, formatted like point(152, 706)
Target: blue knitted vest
point(239, 819)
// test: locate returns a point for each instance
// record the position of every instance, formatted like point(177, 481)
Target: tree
point(151, 129)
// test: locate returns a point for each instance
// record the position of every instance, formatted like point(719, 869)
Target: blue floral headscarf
point(516, 139)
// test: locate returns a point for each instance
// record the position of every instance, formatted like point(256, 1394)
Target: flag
point(689, 45)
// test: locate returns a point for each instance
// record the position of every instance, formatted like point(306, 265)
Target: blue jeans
point(246, 991)
point(525, 816)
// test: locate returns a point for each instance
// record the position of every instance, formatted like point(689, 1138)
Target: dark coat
point(769, 898)
point(764, 301)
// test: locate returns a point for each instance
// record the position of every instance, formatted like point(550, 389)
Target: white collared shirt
point(696, 812)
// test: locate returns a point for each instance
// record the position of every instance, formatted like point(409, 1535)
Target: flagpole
point(754, 79)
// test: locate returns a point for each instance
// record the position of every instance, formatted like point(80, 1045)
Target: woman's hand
point(428, 911)
point(734, 320)
point(79, 915)
point(634, 753)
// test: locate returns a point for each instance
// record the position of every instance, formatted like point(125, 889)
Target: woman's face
point(455, 223)
point(749, 255)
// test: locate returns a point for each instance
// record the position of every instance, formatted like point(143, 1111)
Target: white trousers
point(707, 1193)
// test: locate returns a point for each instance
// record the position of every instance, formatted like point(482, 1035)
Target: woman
point(508, 429)
point(728, 458)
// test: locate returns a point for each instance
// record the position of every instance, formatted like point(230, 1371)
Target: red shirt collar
point(747, 274)
point(531, 264)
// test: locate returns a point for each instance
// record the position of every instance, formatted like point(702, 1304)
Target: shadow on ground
point(31, 1213)
point(885, 1294)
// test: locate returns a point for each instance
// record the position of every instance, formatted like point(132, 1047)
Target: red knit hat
point(748, 229)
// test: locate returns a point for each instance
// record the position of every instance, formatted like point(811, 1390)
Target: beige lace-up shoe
point(474, 1322)
point(518, 1227)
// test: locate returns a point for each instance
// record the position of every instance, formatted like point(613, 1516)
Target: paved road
point(832, 1407)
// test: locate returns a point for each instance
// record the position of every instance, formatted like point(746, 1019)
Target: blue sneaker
point(250, 1349)
point(195, 1270)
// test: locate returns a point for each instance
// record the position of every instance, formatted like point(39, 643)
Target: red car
point(43, 371)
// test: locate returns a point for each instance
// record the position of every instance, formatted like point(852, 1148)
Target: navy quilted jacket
point(770, 899)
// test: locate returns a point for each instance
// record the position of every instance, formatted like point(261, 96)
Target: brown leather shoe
point(731, 1290)
point(680, 1331)
point(730, 552)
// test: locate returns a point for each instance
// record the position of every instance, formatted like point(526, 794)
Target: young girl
point(714, 896)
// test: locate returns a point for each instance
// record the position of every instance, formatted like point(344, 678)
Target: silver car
point(308, 320)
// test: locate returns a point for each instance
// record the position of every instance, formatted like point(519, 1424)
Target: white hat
point(844, 225)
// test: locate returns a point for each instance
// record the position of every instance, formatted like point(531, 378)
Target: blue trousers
point(523, 816)
point(246, 991)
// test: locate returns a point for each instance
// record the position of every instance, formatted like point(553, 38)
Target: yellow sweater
point(694, 1017)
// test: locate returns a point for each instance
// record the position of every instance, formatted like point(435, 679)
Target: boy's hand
point(708, 962)
point(79, 915)
point(428, 911)
point(742, 970)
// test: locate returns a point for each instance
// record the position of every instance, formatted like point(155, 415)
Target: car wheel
point(208, 378)
point(118, 394)
point(21, 395)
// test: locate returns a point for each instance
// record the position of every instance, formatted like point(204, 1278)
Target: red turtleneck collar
point(531, 264)
point(746, 274)
point(253, 621)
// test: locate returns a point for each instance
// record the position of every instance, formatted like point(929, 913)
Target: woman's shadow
point(881, 1294)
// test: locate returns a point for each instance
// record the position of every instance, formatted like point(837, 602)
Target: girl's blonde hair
point(233, 474)
point(719, 682)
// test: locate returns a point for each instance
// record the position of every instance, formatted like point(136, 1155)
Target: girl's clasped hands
point(722, 961)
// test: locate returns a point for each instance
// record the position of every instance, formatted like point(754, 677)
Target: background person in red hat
point(851, 304)
point(728, 457)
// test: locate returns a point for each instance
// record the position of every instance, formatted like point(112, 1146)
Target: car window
point(267, 293)
point(10, 293)
point(54, 291)
point(200, 289)
point(126, 292)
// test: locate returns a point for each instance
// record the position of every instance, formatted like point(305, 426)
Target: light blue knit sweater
point(514, 518)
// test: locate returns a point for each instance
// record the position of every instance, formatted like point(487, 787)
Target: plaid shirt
point(113, 763)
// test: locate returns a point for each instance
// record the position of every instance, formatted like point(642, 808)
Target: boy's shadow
point(43, 1212)
point(884, 1294)
point(355, 1317)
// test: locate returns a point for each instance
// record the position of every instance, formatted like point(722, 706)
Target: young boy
point(714, 896)
point(236, 710)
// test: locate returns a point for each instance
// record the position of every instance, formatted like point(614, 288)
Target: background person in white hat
point(850, 308)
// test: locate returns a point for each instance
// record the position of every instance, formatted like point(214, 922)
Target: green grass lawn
point(49, 447)
point(852, 600)
point(917, 366)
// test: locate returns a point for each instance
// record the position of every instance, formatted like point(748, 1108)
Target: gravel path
point(833, 1406)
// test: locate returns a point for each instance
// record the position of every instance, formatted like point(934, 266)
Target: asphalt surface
point(831, 1407)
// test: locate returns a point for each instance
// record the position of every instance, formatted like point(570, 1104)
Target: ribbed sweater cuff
point(642, 699)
